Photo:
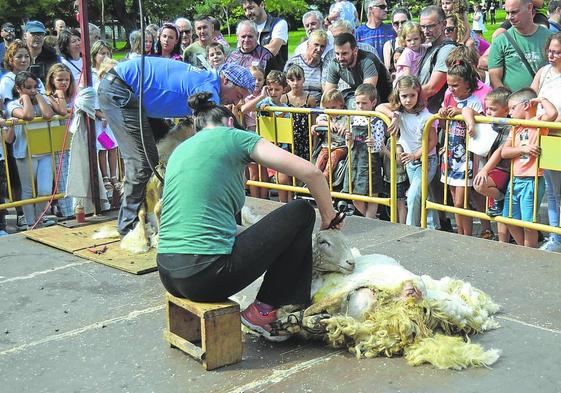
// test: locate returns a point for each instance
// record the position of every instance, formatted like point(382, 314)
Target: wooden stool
point(215, 326)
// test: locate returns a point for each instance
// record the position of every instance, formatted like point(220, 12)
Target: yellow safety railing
point(548, 159)
point(43, 137)
point(279, 130)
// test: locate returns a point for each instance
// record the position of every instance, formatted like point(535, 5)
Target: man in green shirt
point(506, 68)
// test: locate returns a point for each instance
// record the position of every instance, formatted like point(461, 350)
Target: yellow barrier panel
point(549, 159)
point(280, 130)
point(42, 138)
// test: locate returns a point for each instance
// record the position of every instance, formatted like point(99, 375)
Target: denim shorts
point(523, 198)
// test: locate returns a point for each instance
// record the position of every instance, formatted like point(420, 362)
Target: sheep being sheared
point(373, 306)
point(145, 233)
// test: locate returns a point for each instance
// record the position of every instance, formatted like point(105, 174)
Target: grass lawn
point(295, 37)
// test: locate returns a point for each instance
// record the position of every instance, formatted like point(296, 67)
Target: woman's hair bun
point(201, 102)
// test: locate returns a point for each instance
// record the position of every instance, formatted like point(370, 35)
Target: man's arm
point(435, 83)
point(496, 76)
point(373, 80)
point(279, 37)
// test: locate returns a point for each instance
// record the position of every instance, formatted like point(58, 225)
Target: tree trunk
point(127, 18)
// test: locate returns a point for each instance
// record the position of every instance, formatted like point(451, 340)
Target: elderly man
point(554, 11)
point(312, 21)
point(355, 67)
point(341, 26)
point(167, 86)
point(273, 32)
point(249, 52)
point(311, 63)
point(514, 63)
point(195, 54)
point(432, 69)
point(185, 28)
point(375, 32)
point(59, 25)
point(42, 57)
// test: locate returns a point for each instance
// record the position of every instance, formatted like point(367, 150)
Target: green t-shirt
point(204, 190)
point(502, 54)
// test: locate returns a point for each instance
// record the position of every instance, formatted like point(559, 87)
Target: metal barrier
point(279, 130)
point(43, 137)
point(546, 160)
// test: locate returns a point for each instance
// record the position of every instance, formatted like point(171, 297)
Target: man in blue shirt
point(375, 32)
point(167, 86)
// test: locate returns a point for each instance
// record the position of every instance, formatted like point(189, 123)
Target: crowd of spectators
point(405, 69)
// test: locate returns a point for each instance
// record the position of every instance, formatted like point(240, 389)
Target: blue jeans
point(120, 107)
point(553, 191)
point(42, 175)
point(414, 172)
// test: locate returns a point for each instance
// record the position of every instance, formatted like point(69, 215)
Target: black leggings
point(280, 244)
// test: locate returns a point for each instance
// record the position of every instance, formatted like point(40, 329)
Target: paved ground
point(69, 325)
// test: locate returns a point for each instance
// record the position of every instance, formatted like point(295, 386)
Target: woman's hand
point(406, 158)
point(393, 129)
point(333, 220)
point(480, 179)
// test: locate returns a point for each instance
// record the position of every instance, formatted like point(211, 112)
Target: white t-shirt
point(75, 67)
point(411, 128)
point(346, 10)
point(280, 30)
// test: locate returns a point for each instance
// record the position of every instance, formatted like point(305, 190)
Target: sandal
point(117, 185)
point(487, 235)
point(108, 187)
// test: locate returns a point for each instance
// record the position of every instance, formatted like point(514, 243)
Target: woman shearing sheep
point(200, 256)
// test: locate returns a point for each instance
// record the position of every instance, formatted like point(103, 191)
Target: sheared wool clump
point(450, 352)
point(386, 330)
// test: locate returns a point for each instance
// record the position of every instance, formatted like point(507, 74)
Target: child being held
point(411, 38)
point(362, 145)
point(339, 125)
point(402, 179)
point(522, 146)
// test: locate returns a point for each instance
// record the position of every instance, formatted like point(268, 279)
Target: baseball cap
point(239, 75)
point(8, 27)
point(34, 26)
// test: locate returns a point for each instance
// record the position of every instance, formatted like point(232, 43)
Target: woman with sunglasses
point(399, 17)
point(169, 42)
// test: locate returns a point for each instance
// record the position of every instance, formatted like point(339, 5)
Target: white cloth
point(549, 87)
point(75, 67)
point(78, 185)
point(411, 128)
point(478, 25)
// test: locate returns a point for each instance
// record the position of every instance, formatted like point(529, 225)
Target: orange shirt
point(525, 165)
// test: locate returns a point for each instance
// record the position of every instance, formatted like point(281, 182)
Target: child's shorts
point(523, 198)
point(500, 178)
point(401, 189)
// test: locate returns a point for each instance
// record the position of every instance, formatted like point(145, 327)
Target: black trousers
point(280, 245)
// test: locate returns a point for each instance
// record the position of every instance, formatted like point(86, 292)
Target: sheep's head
point(332, 252)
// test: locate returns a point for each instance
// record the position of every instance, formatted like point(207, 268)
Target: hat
point(239, 75)
point(8, 26)
point(34, 26)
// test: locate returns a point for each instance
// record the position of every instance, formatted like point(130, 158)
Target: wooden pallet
point(120, 259)
point(70, 239)
point(78, 240)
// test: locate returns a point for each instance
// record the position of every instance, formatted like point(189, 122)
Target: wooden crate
point(209, 332)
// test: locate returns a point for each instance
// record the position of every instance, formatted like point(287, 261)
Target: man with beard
point(355, 66)
point(273, 32)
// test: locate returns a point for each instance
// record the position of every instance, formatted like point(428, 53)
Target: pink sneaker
point(260, 322)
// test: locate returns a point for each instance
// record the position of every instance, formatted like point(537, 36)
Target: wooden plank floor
point(120, 259)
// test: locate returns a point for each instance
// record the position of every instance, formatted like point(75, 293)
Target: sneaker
point(551, 245)
point(21, 224)
point(47, 222)
point(3, 233)
point(495, 208)
point(260, 322)
point(487, 234)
